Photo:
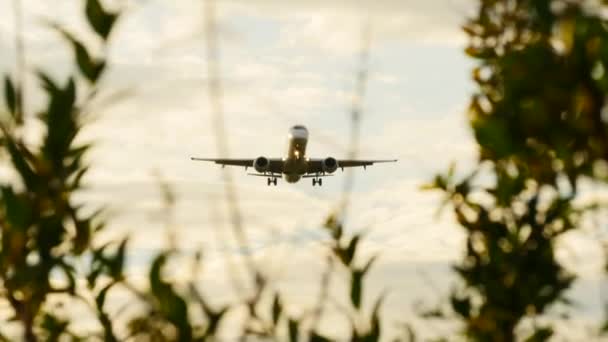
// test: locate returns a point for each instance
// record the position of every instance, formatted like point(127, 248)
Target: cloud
point(336, 26)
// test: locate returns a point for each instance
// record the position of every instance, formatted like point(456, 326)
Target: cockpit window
point(298, 127)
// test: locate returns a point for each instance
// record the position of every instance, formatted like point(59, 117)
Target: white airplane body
point(295, 165)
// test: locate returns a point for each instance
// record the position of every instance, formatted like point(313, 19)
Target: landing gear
point(272, 180)
point(316, 181)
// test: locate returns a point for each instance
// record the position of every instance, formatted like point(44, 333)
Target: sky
point(282, 63)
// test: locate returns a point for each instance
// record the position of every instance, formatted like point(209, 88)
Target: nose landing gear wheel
point(272, 181)
point(316, 181)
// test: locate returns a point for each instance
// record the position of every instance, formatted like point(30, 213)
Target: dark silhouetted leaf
point(316, 337)
point(375, 328)
point(100, 20)
point(101, 297)
point(16, 210)
point(53, 327)
point(173, 307)
point(83, 236)
point(461, 306)
point(351, 250)
point(117, 262)
point(18, 155)
point(356, 284)
point(276, 309)
point(213, 320)
point(90, 67)
point(369, 264)
point(540, 335)
point(10, 96)
point(293, 329)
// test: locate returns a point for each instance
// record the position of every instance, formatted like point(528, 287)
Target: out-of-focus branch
point(19, 60)
point(323, 295)
point(217, 116)
point(168, 208)
point(355, 117)
point(336, 221)
point(231, 266)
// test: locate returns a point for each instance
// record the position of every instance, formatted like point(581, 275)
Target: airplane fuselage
point(296, 163)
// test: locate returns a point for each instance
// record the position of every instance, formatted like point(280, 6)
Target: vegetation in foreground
point(538, 117)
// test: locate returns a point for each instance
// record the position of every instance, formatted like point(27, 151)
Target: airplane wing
point(276, 164)
point(316, 165)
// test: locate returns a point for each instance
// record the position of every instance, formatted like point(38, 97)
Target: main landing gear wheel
point(272, 181)
point(316, 181)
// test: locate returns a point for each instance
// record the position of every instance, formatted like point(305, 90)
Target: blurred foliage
point(539, 117)
point(344, 250)
point(542, 82)
point(47, 237)
point(509, 269)
point(43, 230)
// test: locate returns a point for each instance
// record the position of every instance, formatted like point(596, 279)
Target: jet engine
point(261, 164)
point(330, 165)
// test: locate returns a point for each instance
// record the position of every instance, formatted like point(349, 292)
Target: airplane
point(295, 165)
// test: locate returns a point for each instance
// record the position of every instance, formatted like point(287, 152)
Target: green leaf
point(604, 328)
point(117, 263)
point(173, 307)
point(334, 226)
point(18, 155)
point(83, 235)
point(213, 320)
point(99, 19)
point(101, 297)
point(461, 306)
point(53, 327)
point(17, 210)
point(315, 337)
point(356, 285)
point(76, 181)
point(92, 276)
point(107, 325)
point(374, 334)
point(47, 83)
point(90, 67)
point(293, 328)
point(541, 335)
point(156, 282)
point(10, 96)
point(276, 309)
point(61, 121)
point(369, 264)
point(351, 250)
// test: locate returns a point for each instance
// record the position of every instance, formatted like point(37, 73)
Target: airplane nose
point(299, 132)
